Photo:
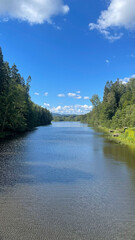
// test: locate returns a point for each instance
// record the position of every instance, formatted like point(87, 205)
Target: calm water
point(66, 182)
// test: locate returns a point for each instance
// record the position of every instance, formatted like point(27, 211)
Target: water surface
point(66, 182)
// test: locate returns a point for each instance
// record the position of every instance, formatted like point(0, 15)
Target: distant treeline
point(66, 118)
point(117, 110)
point(17, 112)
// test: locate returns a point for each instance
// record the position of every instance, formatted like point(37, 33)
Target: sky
point(71, 48)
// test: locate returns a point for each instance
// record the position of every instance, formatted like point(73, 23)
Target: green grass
point(127, 137)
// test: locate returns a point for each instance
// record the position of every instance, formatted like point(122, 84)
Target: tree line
point(117, 109)
point(66, 118)
point(17, 112)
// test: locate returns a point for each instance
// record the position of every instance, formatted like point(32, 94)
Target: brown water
point(66, 182)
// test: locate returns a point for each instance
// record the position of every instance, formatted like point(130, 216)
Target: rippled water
point(66, 182)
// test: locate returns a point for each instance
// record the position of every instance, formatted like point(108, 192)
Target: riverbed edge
point(123, 137)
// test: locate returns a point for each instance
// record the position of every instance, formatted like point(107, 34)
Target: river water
point(66, 182)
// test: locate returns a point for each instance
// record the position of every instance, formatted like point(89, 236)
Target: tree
point(17, 112)
point(15, 74)
point(117, 108)
point(95, 100)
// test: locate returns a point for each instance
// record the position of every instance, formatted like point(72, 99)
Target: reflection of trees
point(122, 154)
point(20, 165)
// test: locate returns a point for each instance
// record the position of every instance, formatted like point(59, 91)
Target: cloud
point(32, 11)
point(71, 94)
point(46, 94)
point(126, 79)
point(71, 109)
point(61, 95)
point(107, 61)
point(74, 95)
point(36, 93)
point(132, 55)
point(58, 28)
point(78, 92)
point(120, 14)
point(47, 105)
point(78, 97)
point(86, 98)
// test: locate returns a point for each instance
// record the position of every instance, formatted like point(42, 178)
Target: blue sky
point(70, 48)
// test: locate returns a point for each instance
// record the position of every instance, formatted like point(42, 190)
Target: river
point(66, 182)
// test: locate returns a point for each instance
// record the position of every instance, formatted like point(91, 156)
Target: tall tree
point(17, 111)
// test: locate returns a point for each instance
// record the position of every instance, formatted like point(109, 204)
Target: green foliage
point(67, 118)
point(117, 110)
point(95, 100)
point(130, 134)
point(17, 112)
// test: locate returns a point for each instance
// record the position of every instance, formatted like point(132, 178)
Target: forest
point(17, 112)
point(117, 110)
point(66, 118)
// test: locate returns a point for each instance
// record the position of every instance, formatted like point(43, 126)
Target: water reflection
point(26, 159)
point(66, 181)
point(120, 153)
point(13, 173)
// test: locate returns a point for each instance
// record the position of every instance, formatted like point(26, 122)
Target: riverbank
point(4, 135)
point(121, 136)
point(10, 134)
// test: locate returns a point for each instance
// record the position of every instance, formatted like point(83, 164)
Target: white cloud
point(74, 95)
point(120, 14)
point(36, 93)
point(58, 108)
point(71, 109)
point(61, 95)
point(107, 61)
point(78, 97)
point(71, 94)
point(47, 105)
point(86, 98)
point(126, 79)
point(32, 11)
point(46, 94)
point(78, 92)
point(58, 28)
point(5, 19)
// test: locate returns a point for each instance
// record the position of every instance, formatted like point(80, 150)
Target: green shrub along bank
point(128, 136)
point(17, 112)
point(121, 136)
point(116, 111)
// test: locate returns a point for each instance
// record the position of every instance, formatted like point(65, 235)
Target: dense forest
point(17, 112)
point(117, 110)
point(66, 118)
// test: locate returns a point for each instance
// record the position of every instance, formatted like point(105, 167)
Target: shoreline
point(126, 137)
point(10, 135)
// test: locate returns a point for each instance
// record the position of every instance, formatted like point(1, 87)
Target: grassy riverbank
point(121, 136)
point(116, 111)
